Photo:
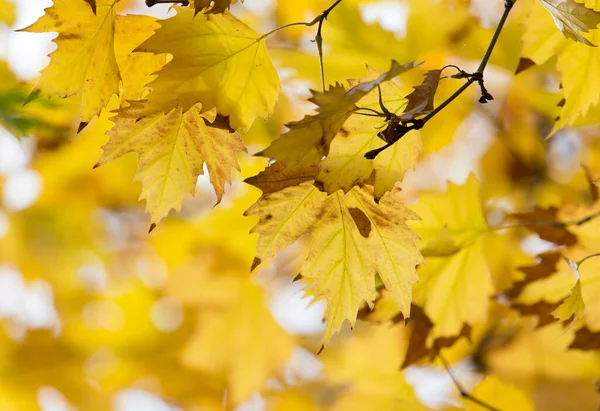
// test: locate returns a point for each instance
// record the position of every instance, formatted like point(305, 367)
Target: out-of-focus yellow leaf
point(576, 63)
point(7, 12)
point(369, 363)
point(216, 60)
point(559, 288)
point(500, 395)
point(542, 353)
point(454, 283)
point(94, 74)
point(242, 342)
point(573, 307)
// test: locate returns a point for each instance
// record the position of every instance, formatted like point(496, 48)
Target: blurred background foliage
point(97, 314)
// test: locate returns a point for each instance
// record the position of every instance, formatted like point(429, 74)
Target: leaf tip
point(257, 261)
point(82, 126)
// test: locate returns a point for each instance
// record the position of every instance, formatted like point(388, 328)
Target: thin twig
point(463, 393)
point(587, 258)
point(318, 38)
point(472, 78)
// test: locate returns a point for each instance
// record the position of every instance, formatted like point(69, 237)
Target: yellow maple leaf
point(572, 18)
point(85, 61)
point(455, 284)
point(346, 166)
point(344, 137)
point(307, 141)
point(559, 288)
point(369, 361)
point(352, 239)
point(573, 307)
point(542, 353)
point(136, 69)
point(576, 63)
point(218, 61)
point(171, 150)
point(243, 342)
point(90, 49)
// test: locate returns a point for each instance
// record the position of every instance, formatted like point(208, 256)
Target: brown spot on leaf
point(268, 216)
point(361, 220)
point(298, 277)
point(343, 132)
point(70, 36)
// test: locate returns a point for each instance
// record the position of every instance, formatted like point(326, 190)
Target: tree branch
point(463, 393)
point(471, 78)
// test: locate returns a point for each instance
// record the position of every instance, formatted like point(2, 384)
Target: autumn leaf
point(307, 140)
point(454, 286)
point(343, 136)
point(571, 18)
point(559, 287)
point(352, 238)
point(579, 97)
point(346, 166)
point(374, 377)
point(420, 101)
point(169, 170)
point(95, 73)
point(242, 341)
point(218, 61)
point(338, 99)
point(310, 138)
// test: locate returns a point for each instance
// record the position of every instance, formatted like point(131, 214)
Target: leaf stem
point(461, 389)
point(587, 258)
point(475, 77)
point(318, 38)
